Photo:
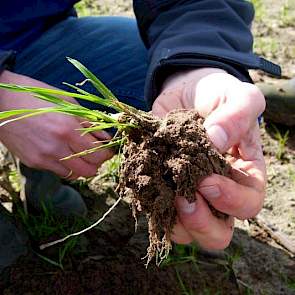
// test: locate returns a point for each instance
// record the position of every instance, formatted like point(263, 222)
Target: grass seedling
point(282, 140)
point(183, 254)
point(43, 226)
point(98, 120)
point(259, 9)
point(184, 289)
point(126, 118)
point(286, 15)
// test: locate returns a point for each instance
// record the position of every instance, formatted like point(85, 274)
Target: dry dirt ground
point(107, 260)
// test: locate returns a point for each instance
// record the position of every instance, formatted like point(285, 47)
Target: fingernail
point(185, 207)
point(218, 136)
point(210, 191)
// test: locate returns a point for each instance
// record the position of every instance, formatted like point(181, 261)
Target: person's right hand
point(40, 142)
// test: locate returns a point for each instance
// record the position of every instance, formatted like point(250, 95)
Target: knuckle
point(62, 132)
point(219, 243)
point(252, 212)
point(87, 171)
point(256, 96)
point(199, 225)
point(231, 203)
point(49, 150)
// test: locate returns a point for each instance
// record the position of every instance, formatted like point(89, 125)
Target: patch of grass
point(88, 8)
point(184, 289)
point(260, 10)
point(233, 254)
point(266, 46)
point(288, 281)
point(110, 169)
point(84, 8)
point(46, 225)
point(286, 18)
point(182, 254)
point(282, 141)
point(291, 284)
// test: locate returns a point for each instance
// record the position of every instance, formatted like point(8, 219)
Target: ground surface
point(107, 260)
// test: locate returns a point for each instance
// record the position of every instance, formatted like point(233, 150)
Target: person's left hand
point(231, 109)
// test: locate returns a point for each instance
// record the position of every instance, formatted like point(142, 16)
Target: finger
point(79, 166)
point(78, 143)
point(162, 105)
point(228, 196)
point(180, 235)
point(248, 160)
point(232, 114)
point(197, 219)
point(250, 146)
point(56, 167)
point(99, 135)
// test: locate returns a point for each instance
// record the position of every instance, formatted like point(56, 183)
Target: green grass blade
point(28, 113)
point(48, 94)
point(50, 261)
point(103, 126)
point(100, 87)
point(39, 90)
point(95, 99)
point(95, 149)
point(9, 114)
point(56, 100)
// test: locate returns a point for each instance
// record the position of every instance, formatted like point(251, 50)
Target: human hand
point(40, 142)
point(230, 108)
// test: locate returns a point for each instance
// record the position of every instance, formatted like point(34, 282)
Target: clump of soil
point(162, 160)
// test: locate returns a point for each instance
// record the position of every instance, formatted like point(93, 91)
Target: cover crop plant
point(162, 158)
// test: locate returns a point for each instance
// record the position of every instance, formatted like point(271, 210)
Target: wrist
point(188, 76)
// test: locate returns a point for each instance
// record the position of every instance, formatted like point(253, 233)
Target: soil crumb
point(163, 160)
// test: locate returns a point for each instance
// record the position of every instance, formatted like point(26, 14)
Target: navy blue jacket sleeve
point(189, 33)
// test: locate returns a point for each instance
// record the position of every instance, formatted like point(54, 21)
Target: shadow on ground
point(108, 260)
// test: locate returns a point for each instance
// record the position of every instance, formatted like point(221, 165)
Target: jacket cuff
point(162, 67)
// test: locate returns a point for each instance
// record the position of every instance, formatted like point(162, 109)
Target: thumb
point(234, 118)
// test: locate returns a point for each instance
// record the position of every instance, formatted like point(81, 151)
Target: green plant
point(291, 284)
point(259, 9)
point(110, 169)
point(182, 254)
point(143, 136)
point(266, 46)
point(286, 19)
point(98, 120)
point(282, 140)
point(45, 225)
point(184, 289)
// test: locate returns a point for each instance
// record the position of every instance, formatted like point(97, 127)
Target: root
point(47, 245)
point(164, 159)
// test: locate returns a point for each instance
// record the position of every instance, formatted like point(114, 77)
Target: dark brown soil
point(162, 160)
